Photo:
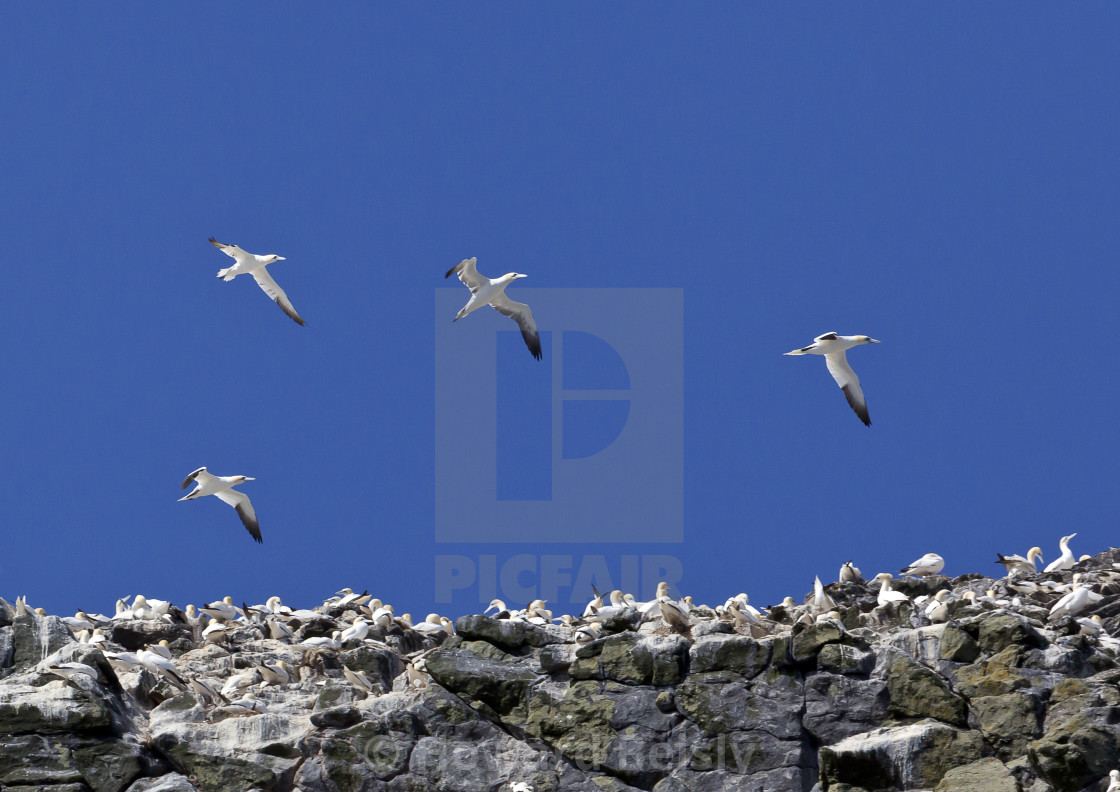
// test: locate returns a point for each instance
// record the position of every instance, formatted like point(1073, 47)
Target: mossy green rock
point(917, 692)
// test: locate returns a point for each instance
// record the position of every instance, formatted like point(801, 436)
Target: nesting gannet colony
point(835, 350)
point(923, 682)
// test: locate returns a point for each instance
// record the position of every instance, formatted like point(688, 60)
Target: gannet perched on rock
point(1113, 781)
point(248, 263)
point(1076, 601)
point(821, 601)
point(929, 564)
point(485, 291)
point(222, 488)
point(1016, 563)
point(834, 348)
point(849, 572)
point(886, 594)
point(1066, 560)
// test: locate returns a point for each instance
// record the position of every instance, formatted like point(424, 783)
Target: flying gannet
point(485, 291)
point(1066, 560)
point(834, 348)
point(248, 263)
point(929, 564)
point(222, 487)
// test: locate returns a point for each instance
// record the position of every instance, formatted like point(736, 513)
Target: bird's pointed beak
point(185, 497)
point(281, 258)
point(872, 341)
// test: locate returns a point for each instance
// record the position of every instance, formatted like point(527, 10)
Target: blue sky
point(942, 178)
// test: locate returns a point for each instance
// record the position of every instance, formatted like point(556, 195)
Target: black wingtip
point(451, 271)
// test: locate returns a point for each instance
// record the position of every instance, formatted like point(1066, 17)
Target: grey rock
point(915, 756)
point(172, 782)
point(985, 775)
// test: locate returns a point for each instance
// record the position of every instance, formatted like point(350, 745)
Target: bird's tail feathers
point(224, 274)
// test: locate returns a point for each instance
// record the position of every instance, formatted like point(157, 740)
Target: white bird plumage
point(929, 564)
point(1066, 559)
point(222, 487)
point(1016, 563)
point(252, 264)
point(485, 291)
point(834, 348)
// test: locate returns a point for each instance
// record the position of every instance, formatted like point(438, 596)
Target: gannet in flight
point(834, 348)
point(929, 564)
point(222, 487)
point(1016, 563)
point(255, 265)
point(493, 293)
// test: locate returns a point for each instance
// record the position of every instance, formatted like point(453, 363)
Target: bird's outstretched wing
point(467, 273)
point(193, 475)
point(233, 251)
point(838, 367)
point(520, 313)
point(240, 501)
point(265, 281)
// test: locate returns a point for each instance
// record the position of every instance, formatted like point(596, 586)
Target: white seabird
point(849, 572)
point(929, 564)
point(248, 263)
point(886, 594)
point(1016, 563)
point(485, 291)
point(222, 487)
point(1076, 601)
point(834, 348)
point(1066, 560)
point(1113, 781)
point(822, 603)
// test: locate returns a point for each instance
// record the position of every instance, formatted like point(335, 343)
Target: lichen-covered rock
point(957, 645)
point(917, 692)
point(844, 659)
point(506, 634)
point(915, 756)
point(985, 775)
point(51, 709)
point(809, 641)
point(1001, 630)
point(738, 653)
point(498, 683)
point(1009, 722)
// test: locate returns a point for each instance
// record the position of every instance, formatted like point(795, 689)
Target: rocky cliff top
point(970, 683)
